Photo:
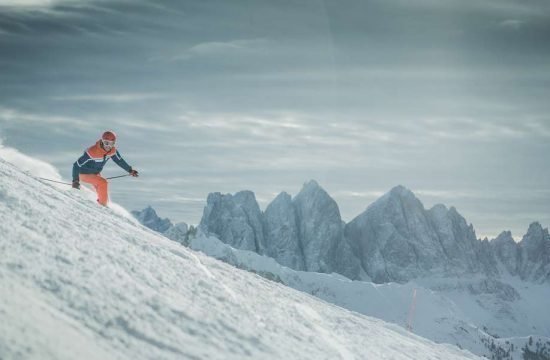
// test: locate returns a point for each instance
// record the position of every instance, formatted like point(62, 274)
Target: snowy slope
point(451, 315)
point(79, 281)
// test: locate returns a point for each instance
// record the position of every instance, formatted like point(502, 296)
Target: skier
point(88, 167)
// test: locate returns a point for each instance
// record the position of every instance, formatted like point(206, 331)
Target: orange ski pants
point(100, 185)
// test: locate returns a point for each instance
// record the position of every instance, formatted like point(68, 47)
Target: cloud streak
point(14, 116)
point(110, 98)
point(217, 48)
point(26, 3)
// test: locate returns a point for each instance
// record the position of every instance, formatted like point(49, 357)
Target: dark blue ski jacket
point(94, 159)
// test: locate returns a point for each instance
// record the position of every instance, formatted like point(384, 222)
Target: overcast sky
point(450, 98)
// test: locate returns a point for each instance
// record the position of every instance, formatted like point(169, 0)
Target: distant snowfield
point(78, 281)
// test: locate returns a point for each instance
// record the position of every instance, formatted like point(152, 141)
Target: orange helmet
point(109, 136)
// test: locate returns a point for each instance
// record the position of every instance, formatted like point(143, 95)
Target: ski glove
point(133, 172)
point(76, 184)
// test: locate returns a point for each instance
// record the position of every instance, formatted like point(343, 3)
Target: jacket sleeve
point(120, 161)
point(78, 164)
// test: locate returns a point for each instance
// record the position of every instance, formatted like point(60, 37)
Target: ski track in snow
point(79, 281)
point(210, 275)
point(331, 339)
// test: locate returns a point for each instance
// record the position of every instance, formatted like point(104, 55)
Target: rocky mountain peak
point(235, 220)
point(535, 233)
point(507, 251)
point(439, 209)
point(394, 239)
point(319, 226)
point(304, 232)
point(397, 239)
point(281, 233)
point(401, 191)
point(246, 197)
point(534, 241)
point(312, 193)
point(504, 237)
point(454, 212)
point(403, 199)
point(311, 185)
point(283, 197)
point(149, 218)
point(147, 213)
point(535, 253)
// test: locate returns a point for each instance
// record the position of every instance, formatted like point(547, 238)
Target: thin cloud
point(539, 126)
point(215, 48)
point(13, 116)
point(360, 194)
point(487, 6)
point(283, 128)
point(239, 122)
point(110, 98)
point(287, 127)
point(482, 129)
point(148, 125)
point(181, 199)
point(27, 3)
point(512, 24)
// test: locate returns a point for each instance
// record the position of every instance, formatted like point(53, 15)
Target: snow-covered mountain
point(235, 218)
point(397, 239)
point(533, 253)
point(281, 233)
point(321, 233)
point(528, 260)
point(394, 240)
point(149, 218)
point(79, 281)
point(304, 233)
point(497, 289)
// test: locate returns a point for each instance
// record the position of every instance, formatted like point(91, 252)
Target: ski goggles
point(110, 143)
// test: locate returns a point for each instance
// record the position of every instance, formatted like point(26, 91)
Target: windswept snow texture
point(471, 312)
point(79, 281)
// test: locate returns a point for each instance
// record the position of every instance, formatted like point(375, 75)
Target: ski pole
point(59, 182)
point(64, 183)
point(114, 177)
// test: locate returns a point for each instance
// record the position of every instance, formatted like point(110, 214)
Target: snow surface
point(452, 315)
point(79, 281)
